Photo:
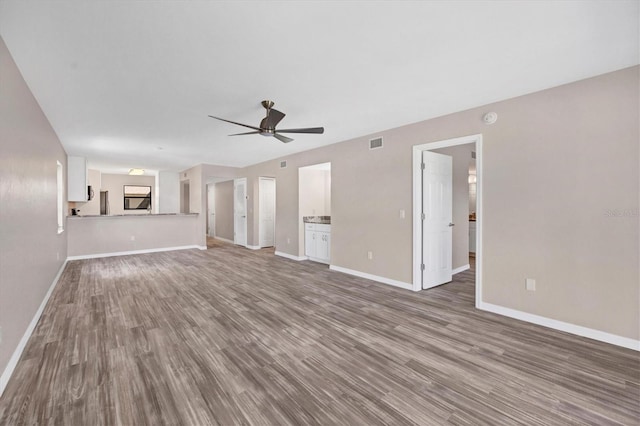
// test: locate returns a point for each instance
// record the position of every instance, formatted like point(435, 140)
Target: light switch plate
point(530, 284)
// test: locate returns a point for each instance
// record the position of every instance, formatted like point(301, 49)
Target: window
point(137, 197)
point(60, 195)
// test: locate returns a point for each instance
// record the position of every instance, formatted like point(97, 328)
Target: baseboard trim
point(579, 330)
point(13, 361)
point(461, 269)
point(372, 277)
point(253, 247)
point(125, 253)
point(290, 256)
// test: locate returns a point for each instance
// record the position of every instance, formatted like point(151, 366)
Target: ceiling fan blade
point(318, 130)
point(233, 122)
point(282, 138)
point(274, 118)
point(246, 133)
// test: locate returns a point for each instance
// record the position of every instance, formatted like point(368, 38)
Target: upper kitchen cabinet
point(77, 179)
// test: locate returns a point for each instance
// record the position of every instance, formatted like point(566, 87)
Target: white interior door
point(437, 210)
point(211, 209)
point(267, 225)
point(240, 211)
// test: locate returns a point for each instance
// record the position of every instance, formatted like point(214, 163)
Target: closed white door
point(240, 211)
point(211, 208)
point(437, 211)
point(267, 188)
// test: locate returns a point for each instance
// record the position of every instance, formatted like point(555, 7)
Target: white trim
point(125, 253)
point(223, 239)
point(590, 333)
point(389, 281)
point(461, 269)
point(417, 207)
point(253, 247)
point(290, 256)
point(13, 361)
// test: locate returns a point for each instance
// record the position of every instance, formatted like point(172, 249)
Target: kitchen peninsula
point(113, 235)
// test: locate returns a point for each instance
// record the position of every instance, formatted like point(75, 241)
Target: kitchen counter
point(109, 216)
point(325, 220)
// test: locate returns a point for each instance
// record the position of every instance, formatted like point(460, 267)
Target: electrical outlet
point(288, 240)
point(58, 255)
point(402, 214)
point(370, 255)
point(133, 238)
point(530, 284)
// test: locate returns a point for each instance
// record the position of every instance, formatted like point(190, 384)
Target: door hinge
point(422, 166)
point(423, 216)
point(422, 267)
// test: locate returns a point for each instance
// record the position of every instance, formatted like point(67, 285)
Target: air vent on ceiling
point(283, 164)
point(375, 143)
point(473, 154)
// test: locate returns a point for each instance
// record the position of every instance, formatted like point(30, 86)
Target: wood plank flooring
point(231, 336)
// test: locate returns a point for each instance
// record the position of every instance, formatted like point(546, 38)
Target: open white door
point(240, 211)
point(437, 213)
point(211, 209)
point(267, 190)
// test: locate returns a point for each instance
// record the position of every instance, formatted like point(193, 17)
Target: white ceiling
point(130, 83)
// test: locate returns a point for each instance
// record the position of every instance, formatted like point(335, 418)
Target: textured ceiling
point(130, 83)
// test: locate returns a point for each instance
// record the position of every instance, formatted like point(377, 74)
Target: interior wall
point(31, 249)
point(560, 200)
point(169, 190)
point(224, 210)
point(460, 154)
point(115, 185)
point(313, 192)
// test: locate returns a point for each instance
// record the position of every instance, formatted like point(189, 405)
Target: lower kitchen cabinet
point(317, 242)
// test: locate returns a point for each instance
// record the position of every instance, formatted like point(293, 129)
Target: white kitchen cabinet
point(317, 242)
point(77, 179)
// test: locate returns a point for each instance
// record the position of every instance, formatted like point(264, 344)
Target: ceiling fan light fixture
point(136, 172)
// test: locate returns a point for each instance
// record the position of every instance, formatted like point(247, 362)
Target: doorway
point(419, 225)
point(267, 212)
point(314, 202)
point(211, 210)
point(240, 211)
point(185, 198)
point(220, 209)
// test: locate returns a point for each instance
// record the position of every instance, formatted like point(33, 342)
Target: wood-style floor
point(232, 336)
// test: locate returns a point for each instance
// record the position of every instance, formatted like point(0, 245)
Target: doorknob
point(452, 224)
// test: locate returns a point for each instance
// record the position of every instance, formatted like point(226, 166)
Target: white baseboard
point(590, 333)
point(13, 361)
point(253, 247)
point(372, 277)
point(461, 269)
point(290, 256)
point(125, 253)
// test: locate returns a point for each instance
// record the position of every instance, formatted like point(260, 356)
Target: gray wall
point(224, 210)
point(31, 250)
point(115, 185)
point(106, 234)
point(561, 201)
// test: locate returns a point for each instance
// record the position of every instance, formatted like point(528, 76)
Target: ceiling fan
point(269, 123)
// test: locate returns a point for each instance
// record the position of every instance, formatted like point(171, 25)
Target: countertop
point(324, 220)
point(108, 216)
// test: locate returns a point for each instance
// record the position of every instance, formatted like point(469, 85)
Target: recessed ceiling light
point(136, 172)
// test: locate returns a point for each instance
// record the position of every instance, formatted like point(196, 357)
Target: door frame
point(246, 205)
point(417, 207)
point(211, 231)
point(260, 180)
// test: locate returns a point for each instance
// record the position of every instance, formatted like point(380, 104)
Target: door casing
point(417, 207)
